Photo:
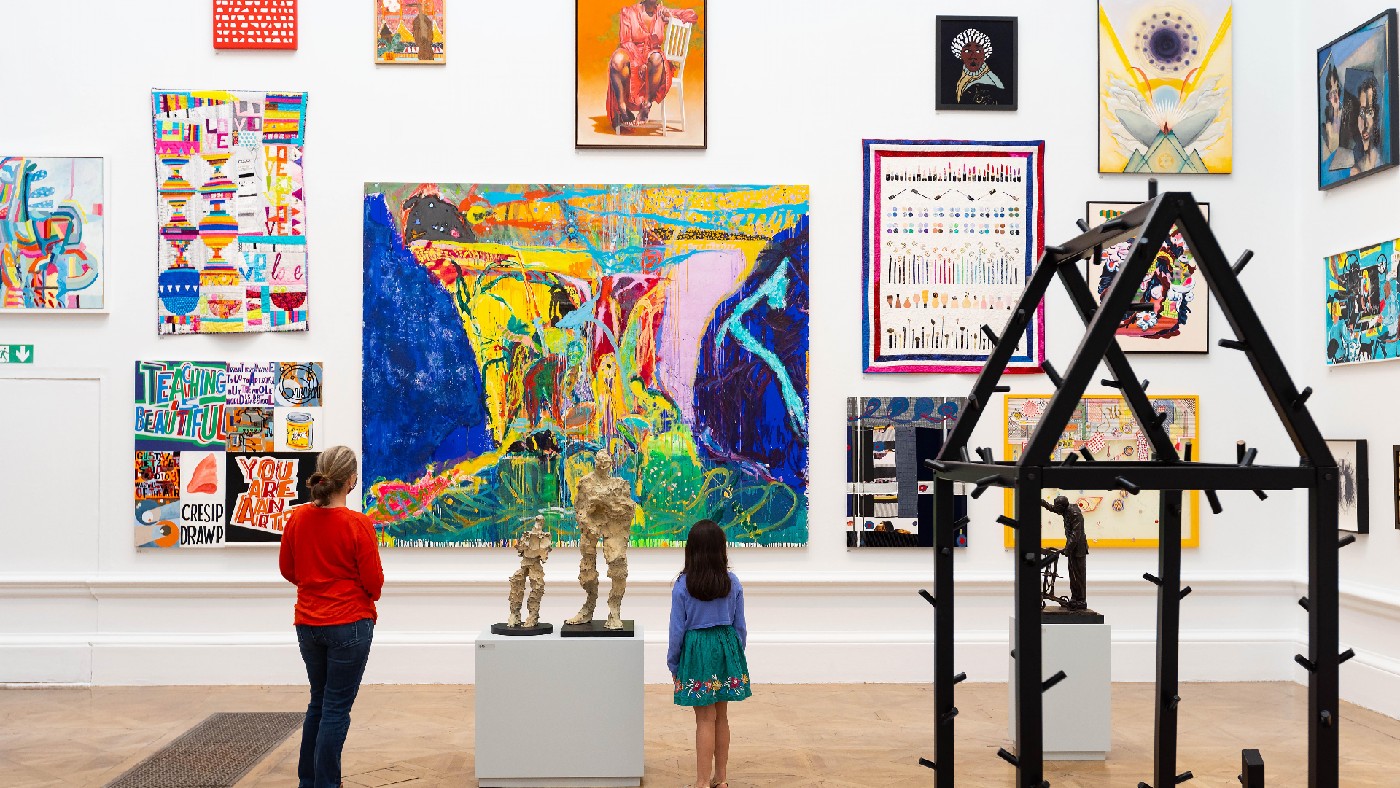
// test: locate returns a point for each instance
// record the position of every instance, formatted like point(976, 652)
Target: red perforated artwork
point(255, 24)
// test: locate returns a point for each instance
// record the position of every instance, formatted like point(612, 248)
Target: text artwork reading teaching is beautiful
point(952, 232)
point(231, 209)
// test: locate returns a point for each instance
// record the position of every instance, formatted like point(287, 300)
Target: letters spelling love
point(272, 486)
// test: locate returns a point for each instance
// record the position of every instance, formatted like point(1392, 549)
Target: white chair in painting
point(674, 48)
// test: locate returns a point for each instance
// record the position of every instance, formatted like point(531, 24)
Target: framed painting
point(223, 449)
point(976, 65)
point(255, 24)
point(640, 73)
point(1178, 320)
point(952, 231)
point(542, 323)
point(1105, 426)
point(1353, 493)
point(1395, 481)
point(410, 32)
point(52, 227)
point(1166, 90)
point(1356, 107)
point(230, 210)
point(1362, 305)
point(889, 489)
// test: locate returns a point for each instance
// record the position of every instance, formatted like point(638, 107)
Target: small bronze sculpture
point(1076, 551)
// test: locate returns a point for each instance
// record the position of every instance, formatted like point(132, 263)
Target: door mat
point(216, 753)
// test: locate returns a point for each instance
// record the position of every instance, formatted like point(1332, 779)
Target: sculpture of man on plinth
point(533, 546)
point(1076, 550)
point(604, 507)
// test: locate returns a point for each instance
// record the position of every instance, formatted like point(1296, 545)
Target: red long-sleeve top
point(332, 556)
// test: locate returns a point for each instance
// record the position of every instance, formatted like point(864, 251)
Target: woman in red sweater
point(332, 556)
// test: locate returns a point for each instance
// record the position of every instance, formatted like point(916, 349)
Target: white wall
point(1350, 401)
point(501, 112)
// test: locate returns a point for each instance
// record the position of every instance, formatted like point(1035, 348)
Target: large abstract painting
point(1177, 318)
point(889, 489)
point(952, 232)
point(231, 211)
point(410, 32)
point(223, 449)
point(1165, 86)
point(51, 234)
point(1356, 107)
point(1363, 305)
point(511, 331)
point(1105, 426)
point(639, 76)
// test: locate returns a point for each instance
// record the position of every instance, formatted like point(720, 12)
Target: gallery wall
point(1352, 401)
point(793, 88)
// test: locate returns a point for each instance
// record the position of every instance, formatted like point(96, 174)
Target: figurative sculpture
point(1076, 550)
point(605, 510)
point(533, 546)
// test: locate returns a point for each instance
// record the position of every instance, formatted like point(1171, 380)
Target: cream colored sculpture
point(534, 546)
point(605, 510)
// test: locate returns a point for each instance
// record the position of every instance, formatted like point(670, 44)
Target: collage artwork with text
point(512, 330)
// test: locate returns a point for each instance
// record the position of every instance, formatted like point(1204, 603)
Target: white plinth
point(1078, 714)
point(556, 712)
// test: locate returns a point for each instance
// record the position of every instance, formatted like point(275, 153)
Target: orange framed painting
point(410, 32)
point(640, 73)
point(1103, 424)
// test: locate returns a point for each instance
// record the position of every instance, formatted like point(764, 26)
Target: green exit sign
point(16, 354)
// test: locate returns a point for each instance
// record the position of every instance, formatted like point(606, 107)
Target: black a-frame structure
point(1151, 223)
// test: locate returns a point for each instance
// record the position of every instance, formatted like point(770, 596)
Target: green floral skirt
point(712, 668)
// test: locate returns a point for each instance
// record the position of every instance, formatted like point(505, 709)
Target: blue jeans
point(335, 658)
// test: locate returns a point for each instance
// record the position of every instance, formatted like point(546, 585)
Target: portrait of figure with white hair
point(976, 59)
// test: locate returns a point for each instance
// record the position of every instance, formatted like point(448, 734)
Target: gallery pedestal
point(1078, 721)
point(556, 712)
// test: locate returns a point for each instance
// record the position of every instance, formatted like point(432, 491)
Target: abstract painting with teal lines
point(511, 331)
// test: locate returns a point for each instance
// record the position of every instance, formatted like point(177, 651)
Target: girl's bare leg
point(704, 744)
point(721, 742)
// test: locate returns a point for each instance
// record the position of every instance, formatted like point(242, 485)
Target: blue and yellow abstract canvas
point(511, 331)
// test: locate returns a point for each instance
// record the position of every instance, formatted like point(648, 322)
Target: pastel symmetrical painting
point(410, 32)
point(512, 331)
point(231, 210)
point(223, 449)
point(52, 223)
point(1166, 86)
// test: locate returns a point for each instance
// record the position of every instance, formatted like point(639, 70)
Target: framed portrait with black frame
point(976, 63)
point(1353, 488)
point(1356, 107)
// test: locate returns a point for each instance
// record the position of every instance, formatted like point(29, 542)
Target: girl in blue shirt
point(706, 648)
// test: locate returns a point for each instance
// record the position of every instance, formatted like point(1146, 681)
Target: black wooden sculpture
point(1150, 223)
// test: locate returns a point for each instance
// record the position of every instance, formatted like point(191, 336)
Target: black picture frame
point(1002, 64)
point(704, 144)
point(1092, 276)
point(1395, 481)
point(1392, 116)
point(1352, 453)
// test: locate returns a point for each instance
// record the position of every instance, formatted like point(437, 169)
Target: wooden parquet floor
point(842, 736)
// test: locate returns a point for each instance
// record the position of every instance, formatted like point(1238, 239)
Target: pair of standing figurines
point(605, 509)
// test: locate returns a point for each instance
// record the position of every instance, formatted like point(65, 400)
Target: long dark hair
point(706, 562)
